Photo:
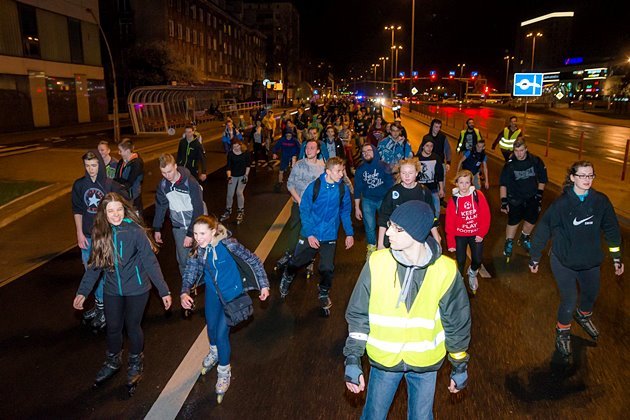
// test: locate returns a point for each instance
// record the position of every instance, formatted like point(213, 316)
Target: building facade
point(50, 64)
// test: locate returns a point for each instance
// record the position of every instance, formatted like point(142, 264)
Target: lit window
point(171, 28)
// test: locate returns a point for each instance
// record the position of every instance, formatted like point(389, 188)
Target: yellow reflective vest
point(415, 337)
point(462, 135)
point(507, 141)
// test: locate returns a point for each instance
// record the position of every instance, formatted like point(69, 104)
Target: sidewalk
point(39, 134)
point(557, 163)
point(38, 226)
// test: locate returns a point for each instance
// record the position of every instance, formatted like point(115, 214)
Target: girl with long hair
point(124, 253)
point(220, 259)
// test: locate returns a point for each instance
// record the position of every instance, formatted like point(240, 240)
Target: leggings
point(235, 186)
point(476, 251)
point(565, 278)
point(125, 311)
point(218, 330)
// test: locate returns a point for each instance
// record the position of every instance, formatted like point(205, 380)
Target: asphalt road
point(287, 362)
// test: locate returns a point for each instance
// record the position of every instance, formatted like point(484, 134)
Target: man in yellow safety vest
point(408, 309)
point(506, 138)
point(468, 137)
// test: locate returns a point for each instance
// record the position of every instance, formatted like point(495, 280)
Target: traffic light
point(451, 74)
point(433, 75)
point(474, 75)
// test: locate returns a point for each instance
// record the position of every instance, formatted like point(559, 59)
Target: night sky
point(347, 33)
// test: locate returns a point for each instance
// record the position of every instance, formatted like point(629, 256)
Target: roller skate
point(310, 270)
point(472, 280)
point(88, 316)
point(110, 367)
point(240, 216)
point(325, 302)
point(285, 283)
point(135, 367)
point(584, 320)
point(99, 322)
point(370, 249)
point(282, 262)
point(226, 215)
point(525, 241)
point(224, 373)
point(210, 360)
point(563, 341)
point(507, 249)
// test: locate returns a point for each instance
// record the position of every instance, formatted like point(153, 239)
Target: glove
point(504, 203)
point(353, 370)
point(459, 374)
point(539, 195)
point(244, 180)
point(616, 263)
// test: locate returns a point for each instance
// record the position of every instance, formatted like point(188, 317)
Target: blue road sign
point(414, 73)
point(528, 84)
point(401, 74)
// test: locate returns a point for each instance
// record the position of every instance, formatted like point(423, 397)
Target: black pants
point(565, 278)
point(506, 154)
point(125, 311)
point(304, 254)
point(295, 225)
point(260, 150)
point(476, 252)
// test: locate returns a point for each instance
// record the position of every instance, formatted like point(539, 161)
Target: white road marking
point(174, 394)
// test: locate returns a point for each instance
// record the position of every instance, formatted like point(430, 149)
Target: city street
point(287, 362)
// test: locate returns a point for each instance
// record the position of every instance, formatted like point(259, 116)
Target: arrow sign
point(414, 90)
point(527, 84)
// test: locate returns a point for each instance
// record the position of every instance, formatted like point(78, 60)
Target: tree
point(157, 63)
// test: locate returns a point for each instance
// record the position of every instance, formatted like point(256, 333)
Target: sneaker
point(585, 322)
point(563, 341)
point(226, 215)
point(370, 249)
point(472, 280)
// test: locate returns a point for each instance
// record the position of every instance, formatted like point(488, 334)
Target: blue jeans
point(85, 257)
point(382, 388)
point(218, 330)
point(436, 204)
point(369, 208)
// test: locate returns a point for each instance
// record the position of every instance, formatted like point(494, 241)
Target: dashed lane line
point(176, 391)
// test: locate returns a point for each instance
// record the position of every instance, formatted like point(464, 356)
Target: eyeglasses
point(368, 151)
point(395, 226)
point(585, 176)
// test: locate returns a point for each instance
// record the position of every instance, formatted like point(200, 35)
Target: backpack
point(475, 197)
point(318, 186)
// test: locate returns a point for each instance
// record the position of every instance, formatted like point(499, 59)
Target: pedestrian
point(110, 163)
point(316, 124)
point(394, 147)
point(87, 193)
point(191, 155)
point(468, 137)
point(289, 149)
point(407, 188)
point(301, 122)
point(467, 224)
point(269, 126)
point(522, 184)
point(432, 172)
point(376, 132)
point(371, 183)
point(574, 223)
point(130, 173)
point(230, 134)
point(360, 126)
point(179, 193)
point(123, 252)
point(476, 162)
point(325, 203)
point(331, 144)
point(506, 138)
point(442, 147)
point(237, 171)
point(229, 270)
point(409, 310)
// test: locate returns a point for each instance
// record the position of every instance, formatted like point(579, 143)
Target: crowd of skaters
point(333, 151)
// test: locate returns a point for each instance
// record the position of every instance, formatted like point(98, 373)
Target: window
point(76, 44)
point(229, 29)
point(179, 6)
point(194, 39)
point(171, 28)
point(187, 34)
point(202, 63)
point(193, 10)
point(209, 42)
point(225, 69)
point(180, 31)
point(200, 15)
point(201, 39)
point(208, 19)
point(28, 26)
point(186, 9)
point(214, 42)
point(214, 22)
point(220, 58)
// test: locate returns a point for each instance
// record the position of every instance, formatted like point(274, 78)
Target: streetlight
point(397, 48)
point(507, 58)
point(111, 60)
point(280, 65)
point(533, 37)
point(461, 69)
point(413, 28)
point(393, 28)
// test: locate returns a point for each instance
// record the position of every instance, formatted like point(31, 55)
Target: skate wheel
point(220, 398)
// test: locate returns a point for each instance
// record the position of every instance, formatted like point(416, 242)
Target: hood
point(102, 173)
point(433, 252)
point(376, 161)
point(457, 194)
point(222, 233)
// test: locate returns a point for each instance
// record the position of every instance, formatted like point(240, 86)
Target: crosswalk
point(17, 150)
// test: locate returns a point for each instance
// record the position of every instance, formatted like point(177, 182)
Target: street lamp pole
point(413, 34)
point(111, 60)
point(533, 37)
point(507, 58)
point(393, 29)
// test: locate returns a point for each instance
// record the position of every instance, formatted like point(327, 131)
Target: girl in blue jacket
point(124, 253)
point(217, 256)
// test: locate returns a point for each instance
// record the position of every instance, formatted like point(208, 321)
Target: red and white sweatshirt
point(466, 216)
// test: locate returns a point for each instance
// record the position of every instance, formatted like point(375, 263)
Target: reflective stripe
point(401, 322)
point(458, 356)
point(506, 143)
point(359, 336)
point(410, 346)
point(614, 249)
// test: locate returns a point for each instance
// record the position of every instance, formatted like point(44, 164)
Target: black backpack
point(318, 186)
point(475, 197)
